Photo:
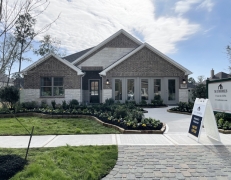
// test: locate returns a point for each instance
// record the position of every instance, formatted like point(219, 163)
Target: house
point(220, 75)
point(121, 67)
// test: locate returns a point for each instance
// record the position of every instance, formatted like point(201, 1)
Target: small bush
point(30, 105)
point(53, 103)
point(43, 104)
point(157, 101)
point(120, 112)
point(109, 102)
point(143, 102)
point(74, 103)
point(10, 165)
point(64, 105)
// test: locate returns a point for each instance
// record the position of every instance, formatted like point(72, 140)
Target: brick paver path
point(172, 162)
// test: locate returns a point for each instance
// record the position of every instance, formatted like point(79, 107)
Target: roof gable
point(187, 72)
point(79, 72)
point(128, 40)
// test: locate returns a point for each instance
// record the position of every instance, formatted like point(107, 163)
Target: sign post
point(203, 114)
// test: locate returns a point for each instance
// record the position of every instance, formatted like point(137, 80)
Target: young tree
point(24, 33)
point(12, 11)
point(49, 45)
point(199, 91)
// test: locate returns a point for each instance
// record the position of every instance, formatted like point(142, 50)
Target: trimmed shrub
point(30, 105)
point(74, 103)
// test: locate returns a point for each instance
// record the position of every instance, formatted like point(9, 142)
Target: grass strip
point(65, 126)
point(66, 163)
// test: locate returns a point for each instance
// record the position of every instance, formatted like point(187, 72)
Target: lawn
point(66, 163)
point(10, 126)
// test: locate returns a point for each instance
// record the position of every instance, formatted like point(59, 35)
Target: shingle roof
point(75, 56)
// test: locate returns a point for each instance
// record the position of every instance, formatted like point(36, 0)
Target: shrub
point(120, 112)
point(199, 92)
point(10, 95)
point(53, 103)
point(157, 101)
point(109, 101)
point(74, 103)
point(44, 104)
point(64, 105)
point(10, 165)
point(143, 102)
point(30, 105)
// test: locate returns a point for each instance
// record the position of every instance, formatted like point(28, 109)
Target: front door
point(94, 91)
point(172, 91)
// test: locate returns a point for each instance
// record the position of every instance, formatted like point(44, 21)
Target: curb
point(186, 113)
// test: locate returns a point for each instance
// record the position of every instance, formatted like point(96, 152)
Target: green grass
point(10, 126)
point(66, 163)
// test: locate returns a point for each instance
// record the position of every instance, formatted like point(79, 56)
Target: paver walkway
point(172, 162)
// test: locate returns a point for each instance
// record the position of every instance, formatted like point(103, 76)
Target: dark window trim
point(52, 86)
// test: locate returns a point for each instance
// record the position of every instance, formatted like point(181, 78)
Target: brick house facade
point(121, 67)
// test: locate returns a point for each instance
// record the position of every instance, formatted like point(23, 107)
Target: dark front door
point(94, 91)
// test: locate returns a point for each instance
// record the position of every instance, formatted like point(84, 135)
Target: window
point(52, 86)
point(157, 86)
point(144, 89)
point(130, 90)
point(118, 89)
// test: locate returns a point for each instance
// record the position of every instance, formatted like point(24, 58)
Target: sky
point(194, 33)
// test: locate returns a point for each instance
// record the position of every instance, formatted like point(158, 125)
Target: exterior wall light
point(107, 82)
point(183, 81)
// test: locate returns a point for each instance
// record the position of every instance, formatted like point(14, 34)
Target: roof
point(105, 42)
point(79, 72)
point(187, 72)
point(77, 55)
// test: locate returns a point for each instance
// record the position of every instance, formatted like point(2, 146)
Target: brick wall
point(144, 63)
point(55, 68)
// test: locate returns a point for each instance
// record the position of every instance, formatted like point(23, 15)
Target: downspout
point(102, 87)
point(81, 90)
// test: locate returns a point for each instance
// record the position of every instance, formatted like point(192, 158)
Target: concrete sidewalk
point(110, 139)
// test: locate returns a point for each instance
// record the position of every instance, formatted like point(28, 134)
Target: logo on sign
point(198, 109)
point(220, 89)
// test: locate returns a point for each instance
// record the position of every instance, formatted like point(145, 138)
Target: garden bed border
point(121, 130)
point(179, 112)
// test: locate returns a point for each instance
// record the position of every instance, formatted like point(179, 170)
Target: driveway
point(176, 122)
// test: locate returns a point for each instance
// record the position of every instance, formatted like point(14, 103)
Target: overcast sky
point(194, 33)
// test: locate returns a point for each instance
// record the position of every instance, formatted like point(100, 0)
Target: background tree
point(24, 33)
point(229, 56)
point(192, 80)
point(199, 91)
point(12, 11)
point(201, 79)
point(49, 45)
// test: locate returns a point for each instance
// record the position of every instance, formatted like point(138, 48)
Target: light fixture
point(107, 82)
point(183, 81)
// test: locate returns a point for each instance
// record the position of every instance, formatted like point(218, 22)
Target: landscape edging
point(121, 130)
point(178, 112)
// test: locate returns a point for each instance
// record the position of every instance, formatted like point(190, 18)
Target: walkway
point(172, 155)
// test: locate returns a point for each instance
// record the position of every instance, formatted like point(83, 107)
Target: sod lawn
point(66, 163)
point(67, 126)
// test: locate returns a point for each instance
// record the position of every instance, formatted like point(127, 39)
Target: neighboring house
point(220, 75)
point(4, 80)
point(121, 67)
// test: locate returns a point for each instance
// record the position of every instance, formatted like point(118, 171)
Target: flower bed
point(126, 116)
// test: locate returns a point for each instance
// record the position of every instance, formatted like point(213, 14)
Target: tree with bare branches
point(11, 13)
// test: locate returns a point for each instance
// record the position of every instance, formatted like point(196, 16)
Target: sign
point(219, 93)
point(203, 114)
